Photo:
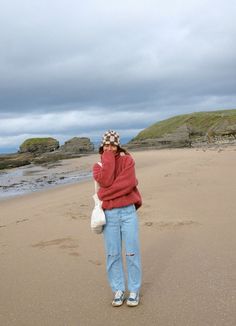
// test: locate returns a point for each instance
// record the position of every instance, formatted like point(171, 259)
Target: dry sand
point(53, 268)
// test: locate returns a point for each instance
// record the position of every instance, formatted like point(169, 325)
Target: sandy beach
point(53, 267)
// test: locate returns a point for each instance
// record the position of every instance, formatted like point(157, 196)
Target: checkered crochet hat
point(110, 137)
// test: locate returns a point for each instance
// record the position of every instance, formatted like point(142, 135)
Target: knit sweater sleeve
point(124, 183)
point(104, 174)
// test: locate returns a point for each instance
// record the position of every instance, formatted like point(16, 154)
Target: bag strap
point(95, 182)
point(96, 186)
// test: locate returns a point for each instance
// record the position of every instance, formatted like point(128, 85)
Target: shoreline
point(28, 179)
point(33, 178)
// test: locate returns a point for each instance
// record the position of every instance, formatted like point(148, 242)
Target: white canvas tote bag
point(98, 218)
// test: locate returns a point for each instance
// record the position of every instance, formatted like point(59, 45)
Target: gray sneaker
point(119, 298)
point(133, 299)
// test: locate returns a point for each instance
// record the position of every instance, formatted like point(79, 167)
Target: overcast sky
point(77, 68)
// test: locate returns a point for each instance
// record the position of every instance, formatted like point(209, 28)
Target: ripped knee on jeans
point(113, 254)
point(130, 254)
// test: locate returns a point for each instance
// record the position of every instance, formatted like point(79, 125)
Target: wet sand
point(30, 178)
point(53, 267)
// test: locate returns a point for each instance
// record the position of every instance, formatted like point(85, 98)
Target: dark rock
point(15, 160)
point(39, 145)
point(45, 152)
point(78, 145)
point(50, 158)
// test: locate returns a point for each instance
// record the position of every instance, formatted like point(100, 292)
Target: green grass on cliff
point(199, 121)
point(33, 141)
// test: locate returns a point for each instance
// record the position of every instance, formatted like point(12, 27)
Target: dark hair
point(119, 150)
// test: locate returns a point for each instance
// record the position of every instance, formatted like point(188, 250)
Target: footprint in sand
point(74, 217)
point(22, 220)
point(83, 217)
point(148, 223)
point(77, 216)
point(173, 224)
point(67, 244)
point(43, 244)
point(95, 262)
point(74, 254)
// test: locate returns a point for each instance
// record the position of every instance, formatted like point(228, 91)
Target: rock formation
point(78, 145)
point(189, 130)
point(46, 150)
point(39, 145)
point(179, 138)
point(8, 161)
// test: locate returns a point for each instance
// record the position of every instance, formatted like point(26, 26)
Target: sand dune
point(53, 267)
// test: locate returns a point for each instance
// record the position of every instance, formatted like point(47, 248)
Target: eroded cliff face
point(184, 138)
point(193, 132)
point(179, 138)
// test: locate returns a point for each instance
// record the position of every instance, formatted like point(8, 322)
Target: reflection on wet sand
point(30, 178)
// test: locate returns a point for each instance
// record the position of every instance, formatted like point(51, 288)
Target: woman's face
point(110, 147)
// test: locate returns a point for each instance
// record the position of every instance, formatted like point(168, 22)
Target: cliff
point(189, 130)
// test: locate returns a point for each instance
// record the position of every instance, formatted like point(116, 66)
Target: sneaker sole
point(132, 304)
point(117, 304)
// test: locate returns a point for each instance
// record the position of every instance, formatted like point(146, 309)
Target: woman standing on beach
point(120, 200)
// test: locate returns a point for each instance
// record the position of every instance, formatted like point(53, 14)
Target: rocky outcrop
point(46, 150)
point(179, 138)
point(190, 130)
point(39, 145)
point(15, 160)
point(78, 145)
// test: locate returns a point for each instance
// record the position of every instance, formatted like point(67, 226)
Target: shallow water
point(31, 178)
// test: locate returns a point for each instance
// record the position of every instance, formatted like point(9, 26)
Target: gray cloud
point(124, 64)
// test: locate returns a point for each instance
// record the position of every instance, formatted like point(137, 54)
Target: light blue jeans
point(122, 226)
